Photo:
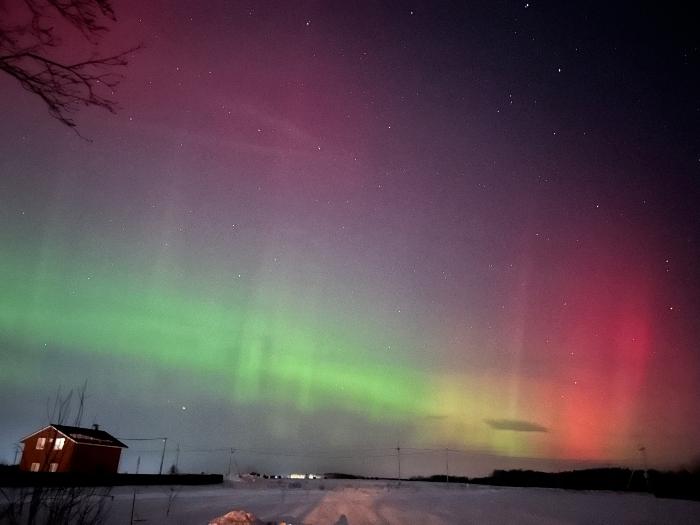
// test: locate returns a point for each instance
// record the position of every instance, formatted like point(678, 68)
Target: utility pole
point(162, 456)
point(398, 456)
point(643, 452)
point(230, 458)
point(235, 463)
point(447, 466)
point(177, 457)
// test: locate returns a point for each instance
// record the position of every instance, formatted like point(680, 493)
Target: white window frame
point(59, 443)
point(53, 467)
point(35, 467)
point(41, 443)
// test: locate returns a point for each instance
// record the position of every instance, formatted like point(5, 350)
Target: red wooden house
point(61, 448)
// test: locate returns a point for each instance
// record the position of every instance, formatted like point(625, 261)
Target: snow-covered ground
point(341, 502)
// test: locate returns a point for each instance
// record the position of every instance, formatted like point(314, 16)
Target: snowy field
point(342, 502)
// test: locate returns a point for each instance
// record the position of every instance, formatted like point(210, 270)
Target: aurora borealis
point(312, 226)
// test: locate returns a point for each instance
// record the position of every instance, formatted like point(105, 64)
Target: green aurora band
point(246, 355)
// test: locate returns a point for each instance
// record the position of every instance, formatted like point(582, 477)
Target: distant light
point(297, 475)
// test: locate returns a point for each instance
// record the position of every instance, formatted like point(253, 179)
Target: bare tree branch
point(27, 39)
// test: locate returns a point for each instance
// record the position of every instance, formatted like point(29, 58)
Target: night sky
point(314, 230)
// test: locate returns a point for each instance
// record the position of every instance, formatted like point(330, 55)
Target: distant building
point(61, 448)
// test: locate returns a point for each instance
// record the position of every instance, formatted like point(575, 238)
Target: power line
point(337, 453)
point(142, 439)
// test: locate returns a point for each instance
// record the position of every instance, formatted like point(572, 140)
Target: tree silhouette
point(32, 52)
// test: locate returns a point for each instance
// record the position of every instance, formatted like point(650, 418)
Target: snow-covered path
point(367, 502)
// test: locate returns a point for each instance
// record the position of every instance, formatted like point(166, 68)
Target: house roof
point(89, 436)
point(86, 436)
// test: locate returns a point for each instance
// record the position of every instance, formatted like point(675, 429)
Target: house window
point(40, 443)
point(58, 444)
point(53, 467)
point(34, 467)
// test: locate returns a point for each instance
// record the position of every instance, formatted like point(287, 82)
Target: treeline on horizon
point(663, 484)
point(682, 484)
